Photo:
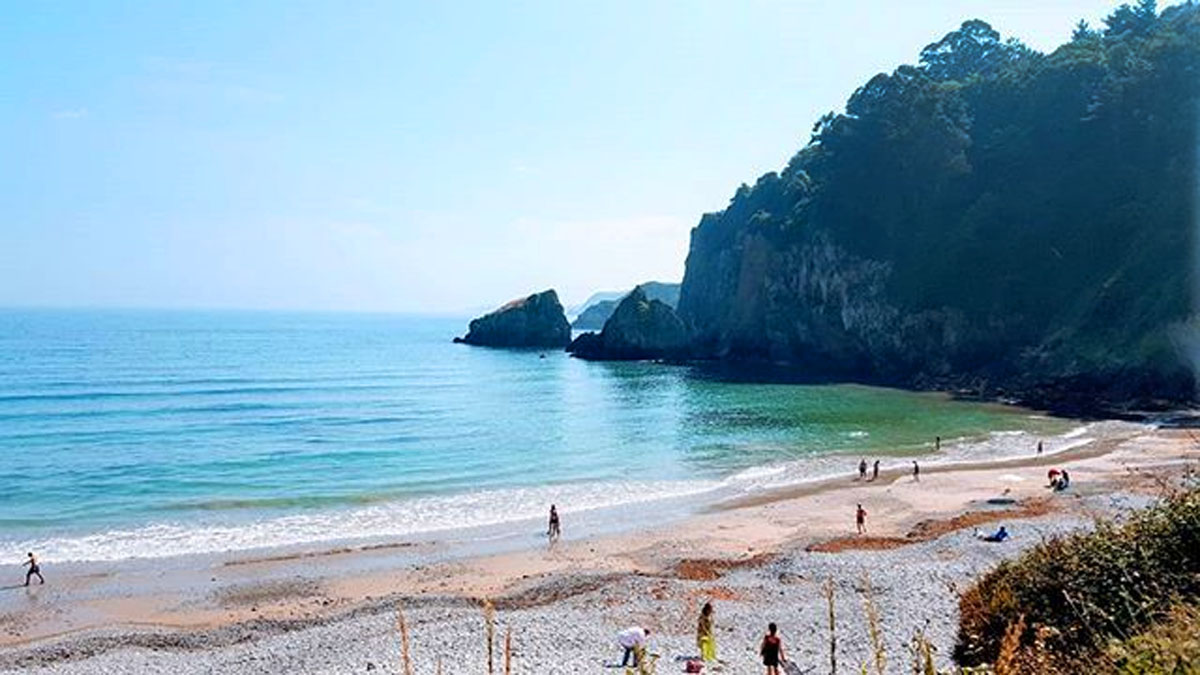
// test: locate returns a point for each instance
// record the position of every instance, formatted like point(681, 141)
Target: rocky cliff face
point(534, 321)
point(1021, 227)
point(594, 315)
point(639, 328)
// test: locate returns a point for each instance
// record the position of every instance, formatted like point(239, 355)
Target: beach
point(758, 558)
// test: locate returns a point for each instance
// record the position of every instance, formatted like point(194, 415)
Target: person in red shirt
point(772, 650)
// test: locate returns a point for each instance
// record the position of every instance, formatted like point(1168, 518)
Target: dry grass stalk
point(922, 652)
point(832, 627)
point(402, 627)
point(439, 666)
point(873, 628)
point(508, 651)
point(1010, 648)
point(489, 625)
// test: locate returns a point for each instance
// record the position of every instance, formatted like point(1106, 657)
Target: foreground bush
point(1071, 599)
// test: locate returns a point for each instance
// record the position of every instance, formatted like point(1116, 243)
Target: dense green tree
point(992, 214)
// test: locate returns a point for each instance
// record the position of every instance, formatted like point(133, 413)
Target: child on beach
point(706, 639)
point(860, 519)
point(771, 650)
point(33, 569)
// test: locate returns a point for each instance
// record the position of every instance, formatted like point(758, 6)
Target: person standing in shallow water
point(33, 569)
point(862, 469)
point(937, 443)
point(875, 470)
point(860, 519)
point(555, 529)
point(916, 471)
point(706, 638)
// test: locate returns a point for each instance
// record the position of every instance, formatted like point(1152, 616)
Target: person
point(916, 471)
point(555, 530)
point(996, 537)
point(1039, 447)
point(860, 519)
point(862, 469)
point(706, 639)
point(631, 638)
point(875, 470)
point(937, 443)
point(1052, 476)
point(1064, 482)
point(33, 569)
point(771, 650)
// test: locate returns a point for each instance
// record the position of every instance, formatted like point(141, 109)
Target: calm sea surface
point(142, 434)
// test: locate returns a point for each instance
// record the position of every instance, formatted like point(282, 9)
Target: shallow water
point(144, 434)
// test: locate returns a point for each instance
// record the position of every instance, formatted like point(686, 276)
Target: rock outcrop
point(593, 315)
point(993, 220)
point(639, 328)
point(534, 321)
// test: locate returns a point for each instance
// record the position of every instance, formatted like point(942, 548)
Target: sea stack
point(639, 328)
point(534, 321)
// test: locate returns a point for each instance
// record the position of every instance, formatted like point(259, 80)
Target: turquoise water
point(139, 433)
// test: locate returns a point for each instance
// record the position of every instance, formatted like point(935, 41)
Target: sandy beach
point(758, 559)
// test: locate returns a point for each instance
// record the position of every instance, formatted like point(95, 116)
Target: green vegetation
point(993, 216)
point(1122, 599)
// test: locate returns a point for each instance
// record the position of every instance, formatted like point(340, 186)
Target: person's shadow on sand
point(12, 588)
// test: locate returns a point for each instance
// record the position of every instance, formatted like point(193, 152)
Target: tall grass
point(1079, 593)
point(828, 590)
point(402, 628)
point(874, 631)
point(489, 628)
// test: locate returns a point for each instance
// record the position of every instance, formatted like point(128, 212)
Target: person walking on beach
point(1039, 447)
point(555, 529)
point(33, 569)
point(771, 650)
point(875, 471)
point(706, 638)
point(862, 469)
point(916, 471)
point(631, 639)
point(860, 519)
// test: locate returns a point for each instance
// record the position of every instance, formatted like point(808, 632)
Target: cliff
point(639, 328)
point(996, 220)
point(594, 314)
point(534, 321)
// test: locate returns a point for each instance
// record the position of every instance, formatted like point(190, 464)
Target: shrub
point(1079, 593)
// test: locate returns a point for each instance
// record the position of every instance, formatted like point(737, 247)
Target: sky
point(413, 156)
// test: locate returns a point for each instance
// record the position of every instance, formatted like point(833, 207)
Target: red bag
point(693, 666)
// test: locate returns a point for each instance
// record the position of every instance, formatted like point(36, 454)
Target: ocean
point(144, 434)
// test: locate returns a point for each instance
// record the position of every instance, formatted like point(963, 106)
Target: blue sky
point(429, 157)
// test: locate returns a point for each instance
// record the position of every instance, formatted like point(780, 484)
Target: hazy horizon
point(409, 158)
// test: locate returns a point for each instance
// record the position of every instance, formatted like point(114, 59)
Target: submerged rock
point(534, 321)
point(639, 328)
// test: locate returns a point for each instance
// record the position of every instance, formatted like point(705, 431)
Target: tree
point(1136, 19)
point(974, 49)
